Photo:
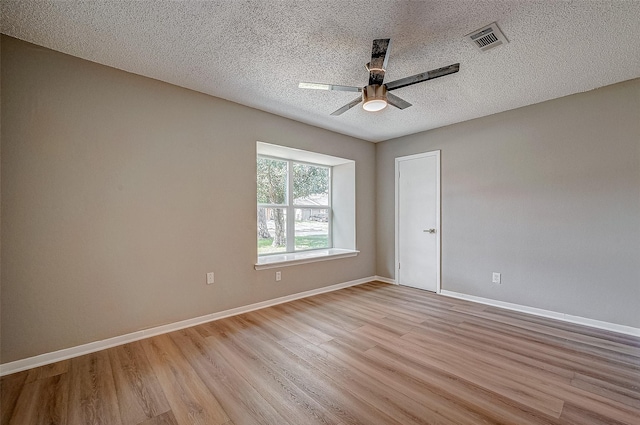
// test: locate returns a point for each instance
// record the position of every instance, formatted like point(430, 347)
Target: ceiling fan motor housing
point(374, 97)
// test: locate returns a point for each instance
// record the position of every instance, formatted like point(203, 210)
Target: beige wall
point(548, 195)
point(120, 192)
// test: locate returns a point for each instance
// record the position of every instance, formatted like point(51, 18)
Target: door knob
point(429, 230)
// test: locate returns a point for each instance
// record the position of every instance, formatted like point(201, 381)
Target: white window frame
point(290, 207)
point(343, 208)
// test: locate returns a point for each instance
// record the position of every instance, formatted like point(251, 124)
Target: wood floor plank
point(341, 405)
point(274, 330)
point(328, 325)
point(190, 400)
point(374, 354)
point(487, 346)
point(496, 408)
point(49, 370)
point(573, 328)
point(610, 390)
point(92, 394)
point(587, 363)
point(10, 389)
point(574, 415)
point(372, 316)
point(380, 410)
point(333, 315)
point(522, 371)
point(139, 394)
point(282, 394)
point(490, 379)
point(43, 402)
point(166, 418)
point(573, 342)
point(297, 327)
point(389, 309)
point(399, 390)
point(241, 401)
point(536, 384)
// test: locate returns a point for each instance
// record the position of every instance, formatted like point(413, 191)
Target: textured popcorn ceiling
point(256, 52)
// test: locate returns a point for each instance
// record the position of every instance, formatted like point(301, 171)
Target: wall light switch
point(210, 278)
point(496, 278)
point(278, 276)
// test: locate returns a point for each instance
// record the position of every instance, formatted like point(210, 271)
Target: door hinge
point(398, 266)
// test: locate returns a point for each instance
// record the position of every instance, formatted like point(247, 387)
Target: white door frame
point(438, 212)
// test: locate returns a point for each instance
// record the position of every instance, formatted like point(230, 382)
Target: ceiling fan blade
point(320, 86)
point(394, 100)
point(348, 106)
point(418, 78)
point(379, 60)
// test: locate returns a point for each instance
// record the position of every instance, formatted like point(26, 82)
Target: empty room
point(320, 212)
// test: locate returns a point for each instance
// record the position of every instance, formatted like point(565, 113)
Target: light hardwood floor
point(371, 354)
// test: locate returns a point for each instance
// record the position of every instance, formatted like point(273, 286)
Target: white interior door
point(418, 221)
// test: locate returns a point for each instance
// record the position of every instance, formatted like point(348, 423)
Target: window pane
point(312, 228)
point(272, 230)
point(272, 181)
point(310, 185)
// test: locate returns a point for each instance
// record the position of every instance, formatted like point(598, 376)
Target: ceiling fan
point(376, 94)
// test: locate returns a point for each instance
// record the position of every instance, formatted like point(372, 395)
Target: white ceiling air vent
point(487, 38)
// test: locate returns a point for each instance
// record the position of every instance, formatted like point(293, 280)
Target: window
point(294, 206)
point(306, 207)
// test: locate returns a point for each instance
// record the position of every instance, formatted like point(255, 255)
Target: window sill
point(295, 258)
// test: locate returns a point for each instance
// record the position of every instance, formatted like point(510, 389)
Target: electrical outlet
point(210, 278)
point(278, 276)
point(496, 278)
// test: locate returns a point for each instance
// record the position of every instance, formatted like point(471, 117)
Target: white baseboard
point(629, 330)
point(92, 347)
point(386, 280)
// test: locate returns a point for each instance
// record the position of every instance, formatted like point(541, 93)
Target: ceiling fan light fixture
point(374, 98)
point(374, 105)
